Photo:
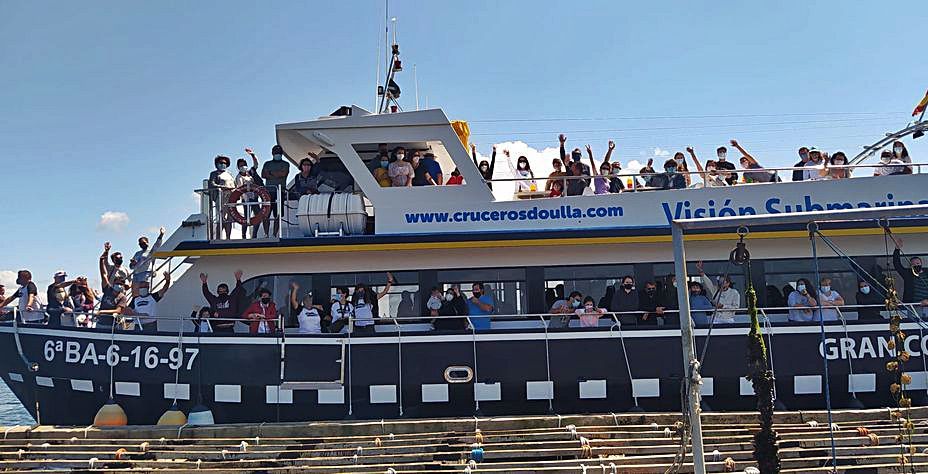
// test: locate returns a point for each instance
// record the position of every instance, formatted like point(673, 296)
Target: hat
point(61, 273)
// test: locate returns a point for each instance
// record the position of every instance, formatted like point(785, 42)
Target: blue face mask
point(670, 169)
point(278, 157)
point(384, 163)
point(865, 290)
point(117, 288)
point(575, 156)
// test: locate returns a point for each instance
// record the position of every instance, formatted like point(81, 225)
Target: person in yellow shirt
point(381, 171)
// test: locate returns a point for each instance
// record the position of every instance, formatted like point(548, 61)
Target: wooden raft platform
point(605, 443)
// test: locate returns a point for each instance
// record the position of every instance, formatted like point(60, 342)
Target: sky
point(113, 111)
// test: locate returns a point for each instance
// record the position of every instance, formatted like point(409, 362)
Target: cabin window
point(505, 285)
point(400, 301)
point(374, 155)
point(664, 271)
point(780, 273)
point(589, 280)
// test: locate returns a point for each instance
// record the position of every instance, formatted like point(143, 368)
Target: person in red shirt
point(455, 178)
point(262, 314)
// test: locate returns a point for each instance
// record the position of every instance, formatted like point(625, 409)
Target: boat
point(525, 361)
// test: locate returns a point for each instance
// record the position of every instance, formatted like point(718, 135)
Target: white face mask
point(898, 150)
point(826, 288)
point(588, 307)
point(885, 159)
point(678, 160)
point(484, 168)
point(711, 169)
point(722, 156)
point(800, 288)
point(400, 156)
point(243, 169)
point(449, 296)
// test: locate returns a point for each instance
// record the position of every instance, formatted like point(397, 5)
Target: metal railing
point(221, 226)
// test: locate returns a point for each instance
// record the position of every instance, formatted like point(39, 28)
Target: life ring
point(263, 211)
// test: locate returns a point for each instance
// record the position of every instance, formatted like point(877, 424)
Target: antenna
point(390, 91)
point(415, 78)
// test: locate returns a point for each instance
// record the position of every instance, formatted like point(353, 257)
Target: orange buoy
point(173, 417)
point(110, 414)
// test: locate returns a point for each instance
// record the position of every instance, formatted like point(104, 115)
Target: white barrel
point(331, 213)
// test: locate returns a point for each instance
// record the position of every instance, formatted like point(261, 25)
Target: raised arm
point(492, 161)
point(104, 278)
point(589, 153)
point(563, 139)
point(473, 153)
point(744, 152)
point(158, 241)
point(294, 288)
point(386, 288)
point(609, 151)
point(692, 153)
point(210, 297)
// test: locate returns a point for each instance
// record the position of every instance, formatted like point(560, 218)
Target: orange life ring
point(263, 212)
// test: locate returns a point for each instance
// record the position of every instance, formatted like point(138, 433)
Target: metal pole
point(689, 347)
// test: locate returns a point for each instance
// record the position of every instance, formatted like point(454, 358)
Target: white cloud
point(8, 279)
point(660, 152)
point(113, 221)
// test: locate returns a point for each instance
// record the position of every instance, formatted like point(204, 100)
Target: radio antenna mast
point(415, 78)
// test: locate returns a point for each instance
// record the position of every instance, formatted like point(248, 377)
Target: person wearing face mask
point(420, 172)
point(29, 308)
point(889, 165)
point(452, 305)
point(900, 153)
point(220, 184)
point(555, 176)
point(813, 166)
point(115, 269)
point(649, 304)
point(798, 174)
point(342, 310)
point(726, 167)
point(434, 168)
point(364, 301)
point(114, 301)
point(262, 314)
point(275, 174)
point(480, 307)
point(434, 302)
point(224, 304)
point(802, 301)
point(670, 178)
point(141, 262)
point(568, 305)
point(305, 182)
point(485, 167)
point(700, 306)
point(830, 299)
point(615, 180)
point(710, 174)
point(581, 172)
point(829, 170)
point(682, 168)
point(866, 296)
point(56, 296)
point(914, 278)
point(308, 315)
point(649, 176)
point(725, 298)
point(588, 313)
point(625, 302)
point(757, 173)
point(381, 170)
point(249, 178)
point(145, 305)
point(601, 181)
point(400, 170)
point(80, 302)
point(522, 170)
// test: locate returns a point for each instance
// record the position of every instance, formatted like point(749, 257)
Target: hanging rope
point(813, 230)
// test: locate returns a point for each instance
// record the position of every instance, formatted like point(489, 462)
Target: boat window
point(582, 272)
point(786, 272)
point(589, 280)
point(509, 297)
point(662, 272)
point(375, 154)
point(400, 301)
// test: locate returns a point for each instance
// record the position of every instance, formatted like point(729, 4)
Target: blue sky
point(120, 106)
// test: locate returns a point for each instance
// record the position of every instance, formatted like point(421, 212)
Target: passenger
point(889, 165)
point(813, 166)
point(79, 304)
point(249, 177)
point(567, 306)
point(867, 297)
point(420, 172)
point(342, 311)
point(558, 172)
point(262, 314)
point(365, 301)
point(400, 170)
point(749, 163)
point(700, 306)
point(220, 184)
point(798, 174)
point(114, 301)
point(556, 189)
point(485, 167)
point(201, 319)
point(275, 174)
point(56, 295)
point(802, 304)
point(452, 305)
point(829, 172)
point(914, 278)
point(407, 307)
point(726, 298)
point(550, 297)
point(115, 269)
point(606, 300)
point(480, 307)
point(522, 170)
point(625, 300)
point(680, 160)
point(145, 305)
point(559, 292)
point(308, 315)
point(775, 298)
point(381, 172)
point(670, 178)
point(434, 169)
point(649, 176)
point(725, 166)
point(902, 154)
point(615, 179)
point(830, 299)
point(667, 293)
point(787, 290)
point(649, 304)
point(141, 263)
point(455, 179)
point(575, 187)
point(305, 182)
point(29, 308)
point(434, 302)
point(589, 314)
point(224, 304)
point(601, 177)
point(710, 175)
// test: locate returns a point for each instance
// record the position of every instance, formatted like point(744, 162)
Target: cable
point(813, 229)
point(667, 117)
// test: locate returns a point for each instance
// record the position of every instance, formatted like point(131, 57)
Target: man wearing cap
point(57, 295)
point(814, 164)
point(141, 262)
point(221, 184)
point(723, 164)
point(798, 175)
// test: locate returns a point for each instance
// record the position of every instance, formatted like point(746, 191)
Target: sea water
point(11, 411)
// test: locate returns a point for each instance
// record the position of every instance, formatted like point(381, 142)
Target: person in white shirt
point(710, 176)
point(889, 165)
point(725, 298)
point(308, 315)
point(342, 309)
point(221, 184)
point(364, 302)
point(30, 311)
point(141, 262)
point(814, 165)
point(145, 305)
point(829, 299)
